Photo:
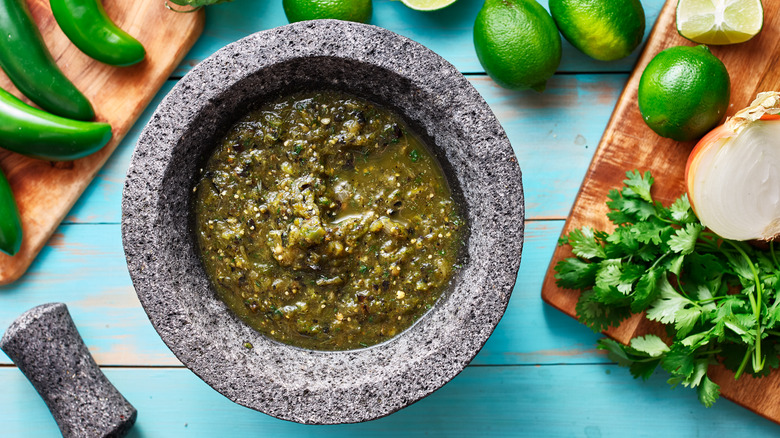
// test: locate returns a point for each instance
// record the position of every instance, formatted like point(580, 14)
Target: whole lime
point(602, 29)
point(348, 10)
point(517, 43)
point(684, 92)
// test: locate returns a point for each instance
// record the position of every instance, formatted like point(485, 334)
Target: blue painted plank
point(543, 401)
point(554, 135)
point(448, 32)
point(101, 201)
point(84, 267)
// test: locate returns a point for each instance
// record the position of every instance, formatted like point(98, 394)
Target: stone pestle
point(46, 346)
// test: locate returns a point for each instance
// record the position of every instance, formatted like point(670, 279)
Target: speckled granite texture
point(44, 343)
point(287, 382)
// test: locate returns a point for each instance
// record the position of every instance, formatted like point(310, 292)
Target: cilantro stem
point(709, 241)
point(755, 302)
point(772, 251)
point(657, 261)
point(682, 291)
point(709, 234)
point(743, 363)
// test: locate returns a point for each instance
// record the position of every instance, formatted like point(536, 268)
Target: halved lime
point(719, 22)
point(427, 5)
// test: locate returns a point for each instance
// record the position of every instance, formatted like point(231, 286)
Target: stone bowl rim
point(271, 393)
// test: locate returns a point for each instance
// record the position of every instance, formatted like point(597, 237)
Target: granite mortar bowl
point(290, 383)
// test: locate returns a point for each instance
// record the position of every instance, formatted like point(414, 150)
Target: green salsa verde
point(324, 223)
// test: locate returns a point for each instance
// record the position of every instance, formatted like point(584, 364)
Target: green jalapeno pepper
point(38, 134)
point(88, 27)
point(30, 66)
point(10, 223)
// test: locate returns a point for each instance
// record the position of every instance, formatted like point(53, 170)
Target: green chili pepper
point(86, 24)
point(30, 66)
point(38, 134)
point(10, 223)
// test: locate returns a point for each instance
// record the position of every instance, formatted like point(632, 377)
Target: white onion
point(733, 174)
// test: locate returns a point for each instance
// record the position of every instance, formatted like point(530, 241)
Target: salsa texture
point(324, 223)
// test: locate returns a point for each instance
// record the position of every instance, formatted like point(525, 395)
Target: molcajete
point(307, 386)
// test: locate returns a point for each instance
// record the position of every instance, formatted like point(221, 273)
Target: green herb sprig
point(717, 298)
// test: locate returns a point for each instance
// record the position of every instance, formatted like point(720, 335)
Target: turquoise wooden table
point(539, 375)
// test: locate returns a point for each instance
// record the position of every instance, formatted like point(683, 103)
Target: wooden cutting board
point(629, 144)
point(46, 191)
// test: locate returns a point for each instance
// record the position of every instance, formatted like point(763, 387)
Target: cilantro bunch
point(717, 298)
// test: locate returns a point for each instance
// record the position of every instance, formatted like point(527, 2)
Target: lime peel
point(683, 92)
point(606, 30)
point(427, 5)
point(517, 43)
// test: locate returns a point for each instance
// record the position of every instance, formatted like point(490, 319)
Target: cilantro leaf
point(639, 184)
point(772, 315)
point(727, 308)
point(596, 315)
point(652, 345)
point(584, 244)
point(616, 351)
point(664, 309)
point(686, 318)
point(646, 291)
point(644, 369)
point(616, 214)
point(629, 274)
point(675, 265)
point(706, 299)
point(681, 211)
point(772, 350)
point(621, 242)
point(573, 273)
point(640, 363)
point(740, 266)
point(648, 232)
point(648, 253)
point(697, 340)
point(679, 362)
point(684, 239)
point(609, 295)
point(703, 270)
point(608, 273)
point(632, 210)
point(699, 372)
point(743, 325)
point(708, 392)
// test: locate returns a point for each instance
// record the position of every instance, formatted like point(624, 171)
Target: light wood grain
point(629, 144)
point(45, 191)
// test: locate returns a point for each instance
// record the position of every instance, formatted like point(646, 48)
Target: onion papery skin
point(733, 179)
